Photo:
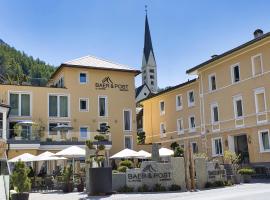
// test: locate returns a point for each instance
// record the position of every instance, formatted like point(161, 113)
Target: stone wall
point(118, 181)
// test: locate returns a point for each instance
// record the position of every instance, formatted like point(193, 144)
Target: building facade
point(84, 94)
point(232, 98)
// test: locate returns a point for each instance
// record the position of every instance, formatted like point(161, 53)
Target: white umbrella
point(143, 154)
point(26, 157)
point(126, 153)
point(164, 152)
point(47, 156)
point(72, 152)
point(26, 123)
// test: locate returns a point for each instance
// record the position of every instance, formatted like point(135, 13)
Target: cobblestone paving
point(254, 191)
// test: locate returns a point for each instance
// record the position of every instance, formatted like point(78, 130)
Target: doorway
point(241, 147)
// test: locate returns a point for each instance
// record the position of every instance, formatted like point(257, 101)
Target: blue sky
point(184, 32)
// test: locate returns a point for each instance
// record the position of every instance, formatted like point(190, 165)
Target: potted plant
point(100, 177)
point(20, 181)
point(246, 174)
point(18, 132)
point(80, 186)
point(233, 160)
point(67, 175)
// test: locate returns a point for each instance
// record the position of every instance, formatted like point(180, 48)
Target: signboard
point(107, 83)
point(150, 174)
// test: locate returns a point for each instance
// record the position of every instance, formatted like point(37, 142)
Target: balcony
point(23, 136)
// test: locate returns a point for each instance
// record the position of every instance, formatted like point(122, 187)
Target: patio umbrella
point(26, 157)
point(143, 154)
point(72, 152)
point(47, 156)
point(26, 123)
point(164, 152)
point(62, 127)
point(126, 153)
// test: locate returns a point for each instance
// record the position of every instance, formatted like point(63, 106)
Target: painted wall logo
point(107, 83)
point(149, 168)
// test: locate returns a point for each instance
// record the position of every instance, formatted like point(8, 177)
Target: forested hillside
point(18, 68)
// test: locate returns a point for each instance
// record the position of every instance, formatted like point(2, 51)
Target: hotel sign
point(107, 83)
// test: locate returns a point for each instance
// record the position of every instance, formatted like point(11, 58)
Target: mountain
point(17, 67)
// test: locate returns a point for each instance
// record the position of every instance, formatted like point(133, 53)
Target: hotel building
point(84, 94)
point(225, 108)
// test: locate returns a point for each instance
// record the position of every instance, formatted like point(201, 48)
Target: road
point(254, 191)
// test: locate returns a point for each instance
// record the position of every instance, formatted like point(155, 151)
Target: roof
point(139, 89)
point(170, 89)
point(93, 62)
point(148, 47)
point(228, 52)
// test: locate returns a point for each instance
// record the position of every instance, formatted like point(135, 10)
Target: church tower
point(149, 67)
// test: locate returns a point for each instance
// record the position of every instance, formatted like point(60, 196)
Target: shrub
point(246, 171)
point(174, 145)
point(178, 152)
point(90, 144)
point(175, 187)
point(122, 169)
point(208, 185)
point(144, 188)
point(126, 189)
point(218, 184)
point(100, 138)
point(228, 183)
point(141, 137)
point(158, 188)
point(20, 179)
point(127, 163)
point(115, 171)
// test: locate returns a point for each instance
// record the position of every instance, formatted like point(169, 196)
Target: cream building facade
point(84, 94)
point(232, 98)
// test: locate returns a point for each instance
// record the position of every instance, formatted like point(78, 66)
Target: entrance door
point(241, 147)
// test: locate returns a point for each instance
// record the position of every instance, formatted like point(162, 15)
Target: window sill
point(179, 108)
point(191, 105)
point(265, 151)
point(84, 110)
point(217, 155)
point(192, 130)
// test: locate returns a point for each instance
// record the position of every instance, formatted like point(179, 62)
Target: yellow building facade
point(84, 94)
point(231, 108)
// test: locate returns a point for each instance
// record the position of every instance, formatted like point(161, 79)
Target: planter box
point(246, 178)
point(100, 180)
point(20, 196)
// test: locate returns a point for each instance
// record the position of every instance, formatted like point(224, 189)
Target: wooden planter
point(100, 180)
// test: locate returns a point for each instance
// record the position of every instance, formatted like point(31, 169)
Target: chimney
point(258, 33)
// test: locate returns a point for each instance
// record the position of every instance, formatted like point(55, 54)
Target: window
point(127, 120)
point(162, 107)
point(60, 83)
point(212, 82)
point(58, 106)
point(152, 70)
point(264, 141)
point(191, 99)
point(84, 105)
point(128, 142)
point(235, 73)
point(102, 104)
point(214, 113)
point(152, 82)
point(162, 130)
point(83, 78)
point(194, 147)
point(192, 125)
point(257, 66)
point(217, 147)
point(238, 107)
point(180, 126)
point(83, 132)
point(20, 104)
point(260, 100)
point(179, 102)
point(152, 76)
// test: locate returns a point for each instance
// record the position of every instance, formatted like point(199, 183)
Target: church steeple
point(149, 71)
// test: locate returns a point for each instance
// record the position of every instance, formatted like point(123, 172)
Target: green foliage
point(158, 188)
point(122, 169)
point(217, 184)
point(127, 163)
point(99, 160)
point(174, 145)
point(101, 147)
point(175, 187)
point(19, 178)
point(100, 138)
point(126, 189)
point(233, 159)
point(67, 174)
point(141, 137)
point(89, 144)
point(179, 152)
point(115, 171)
point(246, 171)
point(17, 67)
point(144, 188)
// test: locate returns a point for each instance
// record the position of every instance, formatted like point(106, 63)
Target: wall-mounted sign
point(107, 83)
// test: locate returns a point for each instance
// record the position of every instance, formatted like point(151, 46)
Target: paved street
point(255, 191)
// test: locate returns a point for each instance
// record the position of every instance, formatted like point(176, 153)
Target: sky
point(184, 33)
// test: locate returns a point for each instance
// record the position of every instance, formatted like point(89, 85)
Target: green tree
point(20, 179)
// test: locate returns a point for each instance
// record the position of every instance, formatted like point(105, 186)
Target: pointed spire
point(147, 39)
